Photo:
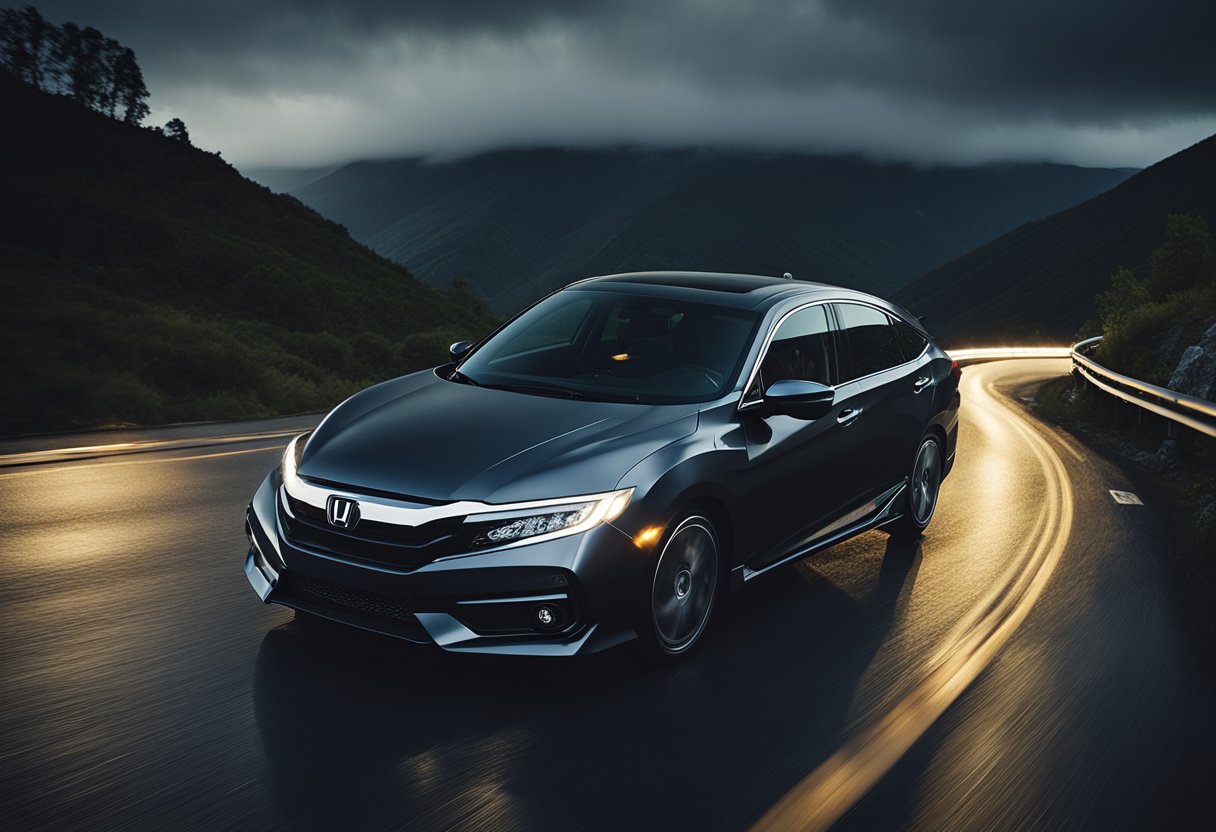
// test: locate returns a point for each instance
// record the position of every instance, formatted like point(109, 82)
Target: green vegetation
point(146, 281)
point(1185, 477)
point(1146, 324)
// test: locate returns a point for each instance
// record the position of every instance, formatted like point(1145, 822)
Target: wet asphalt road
point(144, 686)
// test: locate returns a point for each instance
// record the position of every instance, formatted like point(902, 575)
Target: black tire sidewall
point(650, 643)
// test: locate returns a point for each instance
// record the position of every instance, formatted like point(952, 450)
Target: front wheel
point(923, 485)
point(682, 589)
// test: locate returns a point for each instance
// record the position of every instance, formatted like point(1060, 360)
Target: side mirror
point(800, 399)
point(459, 349)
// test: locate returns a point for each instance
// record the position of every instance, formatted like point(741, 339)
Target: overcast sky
point(315, 82)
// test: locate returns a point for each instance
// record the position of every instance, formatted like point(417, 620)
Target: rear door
point(886, 360)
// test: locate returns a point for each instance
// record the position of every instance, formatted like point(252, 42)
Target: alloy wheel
point(685, 579)
point(926, 480)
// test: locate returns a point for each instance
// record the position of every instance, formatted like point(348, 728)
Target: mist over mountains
point(517, 224)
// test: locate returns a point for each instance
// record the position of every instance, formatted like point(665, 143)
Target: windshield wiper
point(539, 390)
point(461, 378)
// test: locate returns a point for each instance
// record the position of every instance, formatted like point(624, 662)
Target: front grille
point(383, 544)
point(353, 599)
point(385, 613)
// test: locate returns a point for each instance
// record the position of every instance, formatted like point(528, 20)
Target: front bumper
point(488, 602)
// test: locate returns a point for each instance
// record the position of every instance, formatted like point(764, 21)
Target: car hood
point(422, 436)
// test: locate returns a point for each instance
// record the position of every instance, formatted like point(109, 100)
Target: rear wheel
point(923, 485)
point(682, 589)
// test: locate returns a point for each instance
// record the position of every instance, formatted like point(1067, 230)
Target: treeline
point(82, 63)
point(1146, 323)
point(150, 282)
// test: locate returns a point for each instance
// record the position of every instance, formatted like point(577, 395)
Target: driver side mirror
point(460, 349)
point(800, 399)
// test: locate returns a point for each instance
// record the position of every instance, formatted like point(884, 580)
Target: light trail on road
point(837, 785)
point(144, 686)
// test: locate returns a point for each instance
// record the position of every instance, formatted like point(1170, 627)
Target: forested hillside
point(147, 281)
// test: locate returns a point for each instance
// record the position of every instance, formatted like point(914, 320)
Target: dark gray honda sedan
point(608, 464)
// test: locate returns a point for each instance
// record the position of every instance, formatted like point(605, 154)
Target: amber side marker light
point(647, 537)
point(621, 356)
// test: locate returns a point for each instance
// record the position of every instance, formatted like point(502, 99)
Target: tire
point(924, 483)
point(680, 593)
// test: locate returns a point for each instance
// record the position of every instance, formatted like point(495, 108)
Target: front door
point(802, 474)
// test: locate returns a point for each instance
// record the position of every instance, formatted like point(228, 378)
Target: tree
point(38, 35)
point(24, 44)
point(132, 92)
point(1185, 260)
point(109, 84)
point(1125, 294)
point(175, 128)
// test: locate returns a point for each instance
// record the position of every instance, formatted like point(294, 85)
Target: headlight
point(291, 459)
point(578, 515)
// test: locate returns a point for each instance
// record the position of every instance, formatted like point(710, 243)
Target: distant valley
point(516, 224)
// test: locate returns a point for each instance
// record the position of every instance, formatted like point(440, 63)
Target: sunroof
point(737, 283)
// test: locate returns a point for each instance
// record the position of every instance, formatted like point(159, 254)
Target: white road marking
point(1126, 498)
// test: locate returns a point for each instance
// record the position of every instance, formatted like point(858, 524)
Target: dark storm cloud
point(318, 80)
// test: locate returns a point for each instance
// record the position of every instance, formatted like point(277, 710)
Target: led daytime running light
point(539, 524)
point(570, 519)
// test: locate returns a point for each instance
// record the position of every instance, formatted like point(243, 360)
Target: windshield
point(608, 346)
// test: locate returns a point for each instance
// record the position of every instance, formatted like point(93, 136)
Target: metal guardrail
point(1191, 411)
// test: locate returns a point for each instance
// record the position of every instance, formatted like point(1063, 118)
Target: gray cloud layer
point(318, 81)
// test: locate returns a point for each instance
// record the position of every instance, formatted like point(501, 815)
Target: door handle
point(921, 383)
point(848, 416)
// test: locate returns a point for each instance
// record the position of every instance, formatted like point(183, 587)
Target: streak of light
point(216, 455)
point(123, 448)
point(984, 353)
point(828, 792)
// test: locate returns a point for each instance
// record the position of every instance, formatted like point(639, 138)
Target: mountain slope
point(516, 224)
point(147, 281)
point(1039, 281)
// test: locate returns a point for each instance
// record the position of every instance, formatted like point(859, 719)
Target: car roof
point(743, 291)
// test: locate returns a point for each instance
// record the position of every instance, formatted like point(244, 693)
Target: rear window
point(868, 341)
point(911, 342)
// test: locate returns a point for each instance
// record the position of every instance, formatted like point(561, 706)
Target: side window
point(801, 349)
point(911, 342)
point(867, 341)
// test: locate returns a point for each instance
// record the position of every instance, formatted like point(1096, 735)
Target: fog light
point(546, 617)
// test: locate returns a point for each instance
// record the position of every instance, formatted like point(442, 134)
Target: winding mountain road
point(1024, 665)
